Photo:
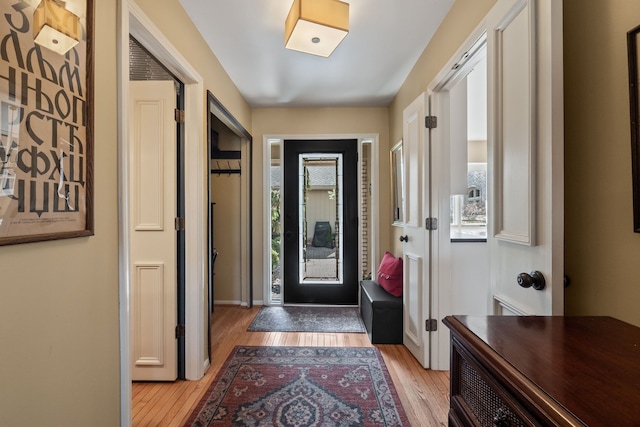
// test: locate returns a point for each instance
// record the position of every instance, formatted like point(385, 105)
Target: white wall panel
point(149, 315)
point(413, 288)
point(515, 137)
point(148, 174)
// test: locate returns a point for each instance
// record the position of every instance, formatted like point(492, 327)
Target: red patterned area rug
point(301, 387)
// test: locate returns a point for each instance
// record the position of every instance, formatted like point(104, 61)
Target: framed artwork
point(634, 107)
point(46, 120)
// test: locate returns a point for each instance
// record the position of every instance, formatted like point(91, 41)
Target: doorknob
point(404, 238)
point(535, 279)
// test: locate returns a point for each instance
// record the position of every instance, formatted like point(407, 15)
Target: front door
point(152, 209)
point(320, 226)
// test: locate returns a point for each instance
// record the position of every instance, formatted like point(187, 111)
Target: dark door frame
point(215, 109)
point(181, 238)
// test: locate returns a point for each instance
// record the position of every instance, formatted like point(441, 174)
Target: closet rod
point(226, 171)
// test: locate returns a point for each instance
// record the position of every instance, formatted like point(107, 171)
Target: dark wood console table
point(544, 371)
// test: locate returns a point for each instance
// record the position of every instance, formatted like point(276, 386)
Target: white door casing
point(525, 107)
point(416, 259)
point(153, 237)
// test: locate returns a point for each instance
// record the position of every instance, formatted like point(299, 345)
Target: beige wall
point(601, 250)
point(59, 306)
point(59, 300)
point(462, 19)
point(307, 121)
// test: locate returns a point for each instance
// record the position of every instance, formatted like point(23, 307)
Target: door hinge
point(431, 325)
point(431, 122)
point(179, 116)
point(431, 223)
point(179, 224)
point(180, 331)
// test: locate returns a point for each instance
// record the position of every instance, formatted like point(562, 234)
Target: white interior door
point(525, 171)
point(416, 260)
point(152, 178)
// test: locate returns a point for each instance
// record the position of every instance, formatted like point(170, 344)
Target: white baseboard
point(226, 302)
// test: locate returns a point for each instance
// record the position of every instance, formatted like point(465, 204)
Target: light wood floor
point(424, 393)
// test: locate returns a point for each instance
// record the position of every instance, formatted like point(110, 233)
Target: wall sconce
point(54, 27)
point(316, 26)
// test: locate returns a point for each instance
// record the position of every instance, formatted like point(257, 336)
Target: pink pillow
point(390, 274)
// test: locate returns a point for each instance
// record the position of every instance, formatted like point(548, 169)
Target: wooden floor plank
point(424, 393)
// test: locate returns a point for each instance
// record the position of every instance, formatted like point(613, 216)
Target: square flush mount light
point(316, 26)
point(54, 27)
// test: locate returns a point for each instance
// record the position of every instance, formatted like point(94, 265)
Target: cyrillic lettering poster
point(46, 120)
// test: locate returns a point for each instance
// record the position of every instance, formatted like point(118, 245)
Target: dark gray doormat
point(308, 319)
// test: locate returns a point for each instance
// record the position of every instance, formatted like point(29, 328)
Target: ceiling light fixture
point(54, 27)
point(316, 26)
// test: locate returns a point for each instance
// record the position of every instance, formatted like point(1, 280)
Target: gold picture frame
point(46, 120)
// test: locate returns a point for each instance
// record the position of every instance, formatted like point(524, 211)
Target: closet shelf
point(226, 167)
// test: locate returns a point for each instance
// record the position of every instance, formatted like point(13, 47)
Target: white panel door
point(524, 59)
point(152, 208)
point(415, 254)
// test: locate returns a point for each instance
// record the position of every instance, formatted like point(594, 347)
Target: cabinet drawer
point(481, 398)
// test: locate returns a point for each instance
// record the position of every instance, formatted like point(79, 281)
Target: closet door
point(153, 235)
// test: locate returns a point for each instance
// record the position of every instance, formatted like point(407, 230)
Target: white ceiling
point(385, 39)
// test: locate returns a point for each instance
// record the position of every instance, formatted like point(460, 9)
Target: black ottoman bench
point(381, 313)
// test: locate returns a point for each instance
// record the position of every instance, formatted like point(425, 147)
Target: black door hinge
point(179, 224)
point(431, 122)
point(431, 325)
point(180, 331)
point(431, 223)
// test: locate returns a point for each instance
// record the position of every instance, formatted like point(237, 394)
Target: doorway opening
point(461, 191)
point(468, 148)
point(157, 196)
point(229, 183)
